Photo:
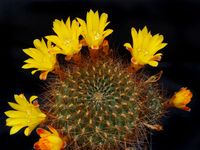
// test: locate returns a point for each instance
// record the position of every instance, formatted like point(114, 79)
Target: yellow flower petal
point(15, 114)
point(32, 98)
point(103, 22)
point(15, 129)
point(34, 71)
point(29, 129)
point(54, 39)
point(20, 99)
point(15, 121)
point(82, 23)
point(107, 32)
point(145, 47)
point(26, 115)
point(67, 38)
point(27, 66)
point(17, 107)
point(93, 29)
point(153, 63)
point(40, 59)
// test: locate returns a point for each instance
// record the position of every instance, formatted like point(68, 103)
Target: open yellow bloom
point(93, 29)
point(41, 59)
point(181, 99)
point(49, 140)
point(26, 114)
point(145, 47)
point(67, 38)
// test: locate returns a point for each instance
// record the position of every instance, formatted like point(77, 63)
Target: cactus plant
point(94, 100)
point(102, 103)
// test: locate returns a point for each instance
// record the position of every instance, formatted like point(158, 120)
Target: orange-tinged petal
point(157, 57)
point(43, 144)
point(36, 146)
point(49, 140)
point(54, 131)
point(43, 75)
point(42, 133)
point(128, 46)
point(186, 108)
point(181, 99)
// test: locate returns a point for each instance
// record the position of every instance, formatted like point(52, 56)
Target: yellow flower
point(93, 29)
point(26, 114)
point(181, 99)
point(67, 38)
point(41, 59)
point(49, 140)
point(145, 47)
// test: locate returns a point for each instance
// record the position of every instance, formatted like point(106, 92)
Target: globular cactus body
point(101, 104)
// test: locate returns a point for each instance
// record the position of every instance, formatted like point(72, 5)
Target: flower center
point(67, 42)
point(96, 36)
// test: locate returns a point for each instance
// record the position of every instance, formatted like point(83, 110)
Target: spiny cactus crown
point(101, 103)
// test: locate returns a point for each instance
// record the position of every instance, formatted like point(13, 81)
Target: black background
point(22, 21)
